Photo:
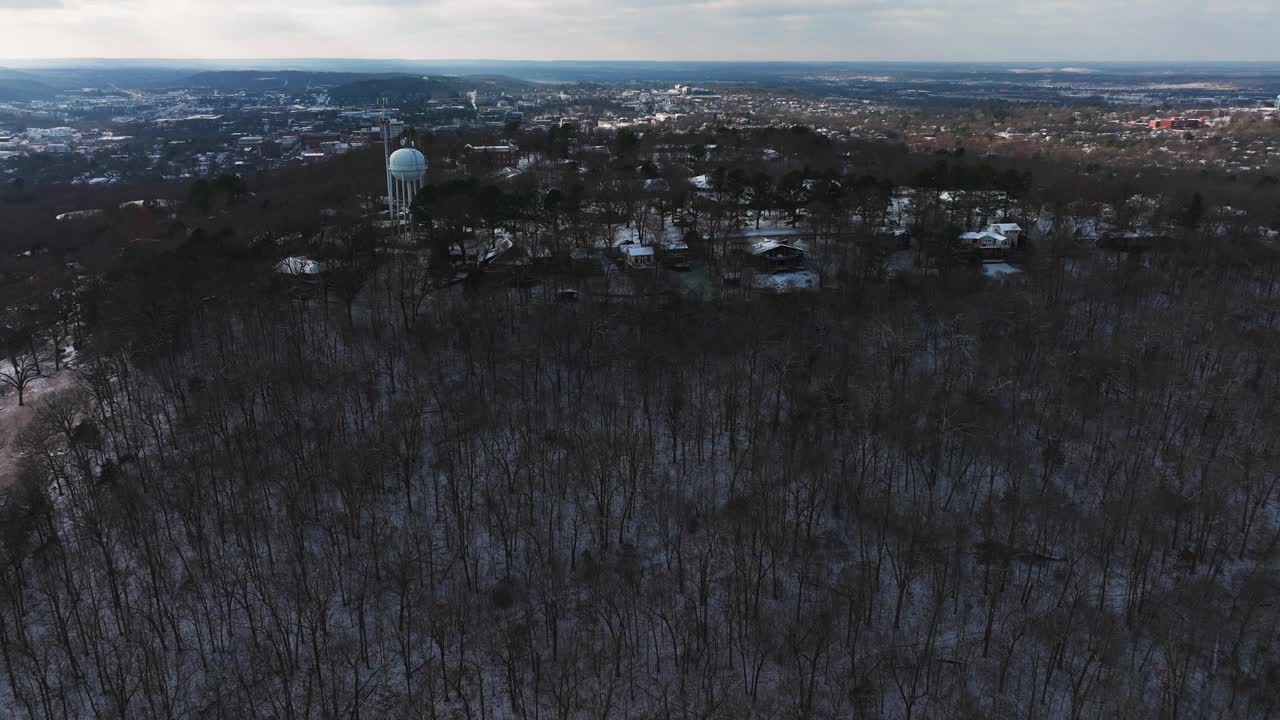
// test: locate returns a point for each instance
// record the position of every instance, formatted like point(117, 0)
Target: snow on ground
point(900, 262)
point(78, 215)
point(13, 418)
point(153, 203)
point(999, 270)
point(768, 230)
point(623, 235)
point(299, 266)
point(784, 281)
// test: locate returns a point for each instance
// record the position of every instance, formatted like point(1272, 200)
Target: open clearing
point(13, 418)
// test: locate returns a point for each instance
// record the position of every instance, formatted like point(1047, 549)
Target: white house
point(1012, 231)
point(992, 245)
point(638, 257)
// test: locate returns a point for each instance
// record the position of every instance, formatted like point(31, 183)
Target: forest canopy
point(372, 491)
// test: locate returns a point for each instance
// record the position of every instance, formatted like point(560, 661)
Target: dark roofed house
point(777, 253)
point(314, 141)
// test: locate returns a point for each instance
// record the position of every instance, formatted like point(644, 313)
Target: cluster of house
point(766, 254)
point(1176, 123)
point(670, 252)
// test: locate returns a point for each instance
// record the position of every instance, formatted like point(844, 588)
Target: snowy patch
point(623, 236)
point(900, 262)
point(299, 266)
point(69, 354)
point(785, 281)
point(767, 230)
point(153, 203)
point(999, 270)
point(78, 215)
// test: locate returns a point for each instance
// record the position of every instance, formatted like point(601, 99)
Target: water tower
point(406, 169)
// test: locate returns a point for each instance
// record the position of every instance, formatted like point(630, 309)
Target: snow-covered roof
point(1006, 227)
point(636, 250)
point(155, 203)
point(78, 215)
point(760, 247)
point(984, 235)
point(500, 247)
point(701, 182)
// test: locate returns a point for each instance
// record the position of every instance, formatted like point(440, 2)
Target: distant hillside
point(266, 81)
point(76, 78)
point(348, 87)
point(397, 89)
point(18, 86)
point(402, 89)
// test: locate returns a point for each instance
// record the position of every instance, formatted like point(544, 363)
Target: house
point(1176, 123)
point(675, 254)
point(776, 253)
point(700, 183)
point(900, 235)
point(991, 245)
point(638, 257)
point(1082, 229)
point(657, 185)
point(493, 156)
point(315, 141)
point(1137, 240)
point(502, 252)
point(1012, 231)
point(503, 261)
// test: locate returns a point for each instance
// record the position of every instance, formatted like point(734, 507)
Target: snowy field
point(999, 270)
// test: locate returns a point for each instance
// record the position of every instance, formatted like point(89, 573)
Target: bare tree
point(18, 375)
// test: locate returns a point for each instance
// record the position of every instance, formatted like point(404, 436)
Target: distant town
point(248, 122)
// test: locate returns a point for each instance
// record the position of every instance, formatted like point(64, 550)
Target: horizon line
point(312, 58)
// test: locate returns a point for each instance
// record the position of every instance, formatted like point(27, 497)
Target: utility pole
point(386, 160)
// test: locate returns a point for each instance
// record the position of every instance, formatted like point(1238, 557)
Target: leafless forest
point(926, 497)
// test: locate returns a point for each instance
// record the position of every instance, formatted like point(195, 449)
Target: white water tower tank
point(407, 165)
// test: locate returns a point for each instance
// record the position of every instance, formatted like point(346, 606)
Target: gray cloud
point(1019, 30)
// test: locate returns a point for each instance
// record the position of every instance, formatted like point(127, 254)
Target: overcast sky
point(1015, 30)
